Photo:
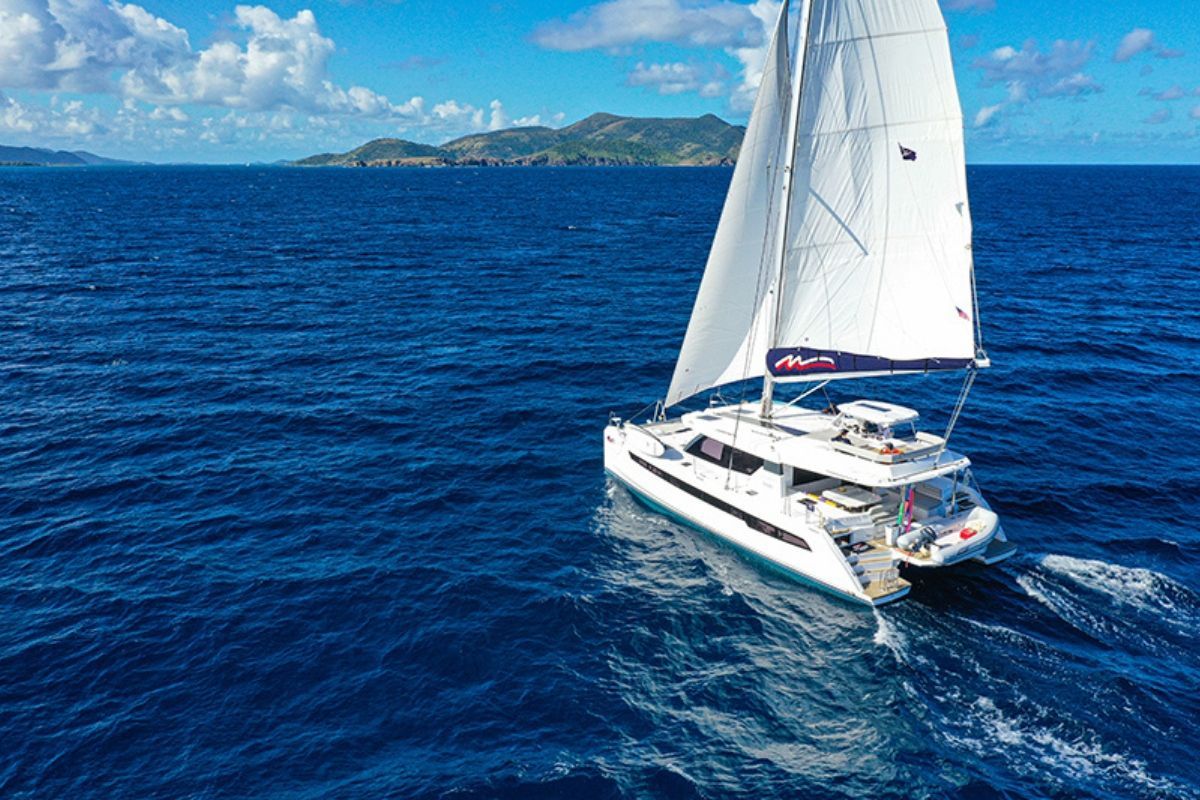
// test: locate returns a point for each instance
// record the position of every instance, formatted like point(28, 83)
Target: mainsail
point(876, 275)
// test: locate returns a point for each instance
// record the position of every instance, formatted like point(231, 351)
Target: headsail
point(727, 338)
point(877, 272)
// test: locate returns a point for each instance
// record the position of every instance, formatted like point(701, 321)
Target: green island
point(599, 140)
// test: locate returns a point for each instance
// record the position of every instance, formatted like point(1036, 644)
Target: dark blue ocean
point(301, 496)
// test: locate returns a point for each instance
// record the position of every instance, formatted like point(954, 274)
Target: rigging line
point(762, 277)
point(972, 371)
point(819, 387)
point(760, 280)
point(975, 306)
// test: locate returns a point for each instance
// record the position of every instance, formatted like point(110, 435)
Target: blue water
point(301, 496)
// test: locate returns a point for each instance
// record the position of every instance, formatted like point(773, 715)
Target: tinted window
point(714, 452)
point(746, 463)
point(802, 476)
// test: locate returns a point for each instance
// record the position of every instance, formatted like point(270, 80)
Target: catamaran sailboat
point(843, 251)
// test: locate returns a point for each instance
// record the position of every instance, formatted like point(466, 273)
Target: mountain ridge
point(45, 157)
point(601, 139)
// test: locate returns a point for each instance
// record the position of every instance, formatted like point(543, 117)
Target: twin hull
point(802, 551)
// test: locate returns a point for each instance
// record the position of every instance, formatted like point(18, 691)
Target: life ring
point(968, 532)
point(890, 451)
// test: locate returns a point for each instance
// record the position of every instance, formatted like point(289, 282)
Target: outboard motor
point(913, 541)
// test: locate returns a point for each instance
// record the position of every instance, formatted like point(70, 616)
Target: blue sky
point(1040, 81)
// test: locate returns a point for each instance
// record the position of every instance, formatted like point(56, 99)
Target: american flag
point(906, 154)
point(962, 313)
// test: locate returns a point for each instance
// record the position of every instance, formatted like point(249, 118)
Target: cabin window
point(715, 452)
point(745, 463)
point(712, 449)
point(803, 476)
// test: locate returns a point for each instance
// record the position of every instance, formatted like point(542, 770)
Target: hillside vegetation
point(601, 139)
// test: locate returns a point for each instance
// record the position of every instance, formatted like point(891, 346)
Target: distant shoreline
point(117, 167)
point(500, 165)
point(601, 140)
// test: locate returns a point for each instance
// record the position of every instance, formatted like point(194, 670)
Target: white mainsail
point(727, 338)
point(877, 271)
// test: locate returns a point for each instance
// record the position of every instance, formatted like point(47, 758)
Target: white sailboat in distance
point(843, 251)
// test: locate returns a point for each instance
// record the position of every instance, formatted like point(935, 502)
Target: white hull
point(843, 251)
point(780, 526)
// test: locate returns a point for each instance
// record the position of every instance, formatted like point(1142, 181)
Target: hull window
point(752, 522)
point(722, 455)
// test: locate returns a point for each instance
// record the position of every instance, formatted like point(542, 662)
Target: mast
point(785, 208)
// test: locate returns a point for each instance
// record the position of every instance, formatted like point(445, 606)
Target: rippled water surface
point(301, 496)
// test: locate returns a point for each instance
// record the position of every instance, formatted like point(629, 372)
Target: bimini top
point(878, 413)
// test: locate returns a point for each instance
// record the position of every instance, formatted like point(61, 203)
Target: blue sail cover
point(804, 363)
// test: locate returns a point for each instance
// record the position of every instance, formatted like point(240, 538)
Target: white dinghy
point(843, 251)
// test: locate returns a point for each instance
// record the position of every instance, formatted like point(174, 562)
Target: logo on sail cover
point(794, 363)
point(906, 154)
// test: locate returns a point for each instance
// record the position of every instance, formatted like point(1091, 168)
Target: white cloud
point(125, 50)
point(742, 30)
point(161, 113)
point(1174, 93)
point(678, 78)
point(77, 46)
point(987, 114)
point(753, 57)
point(499, 119)
point(266, 63)
point(1073, 86)
point(283, 64)
point(70, 119)
point(454, 115)
point(14, 118)
point(978, 6)
point(673, 78)
point(618, 23)
point(1029, 74)
point(532, 121)
point(1033, 67)
point(1138, 40)
point(1158, 117)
